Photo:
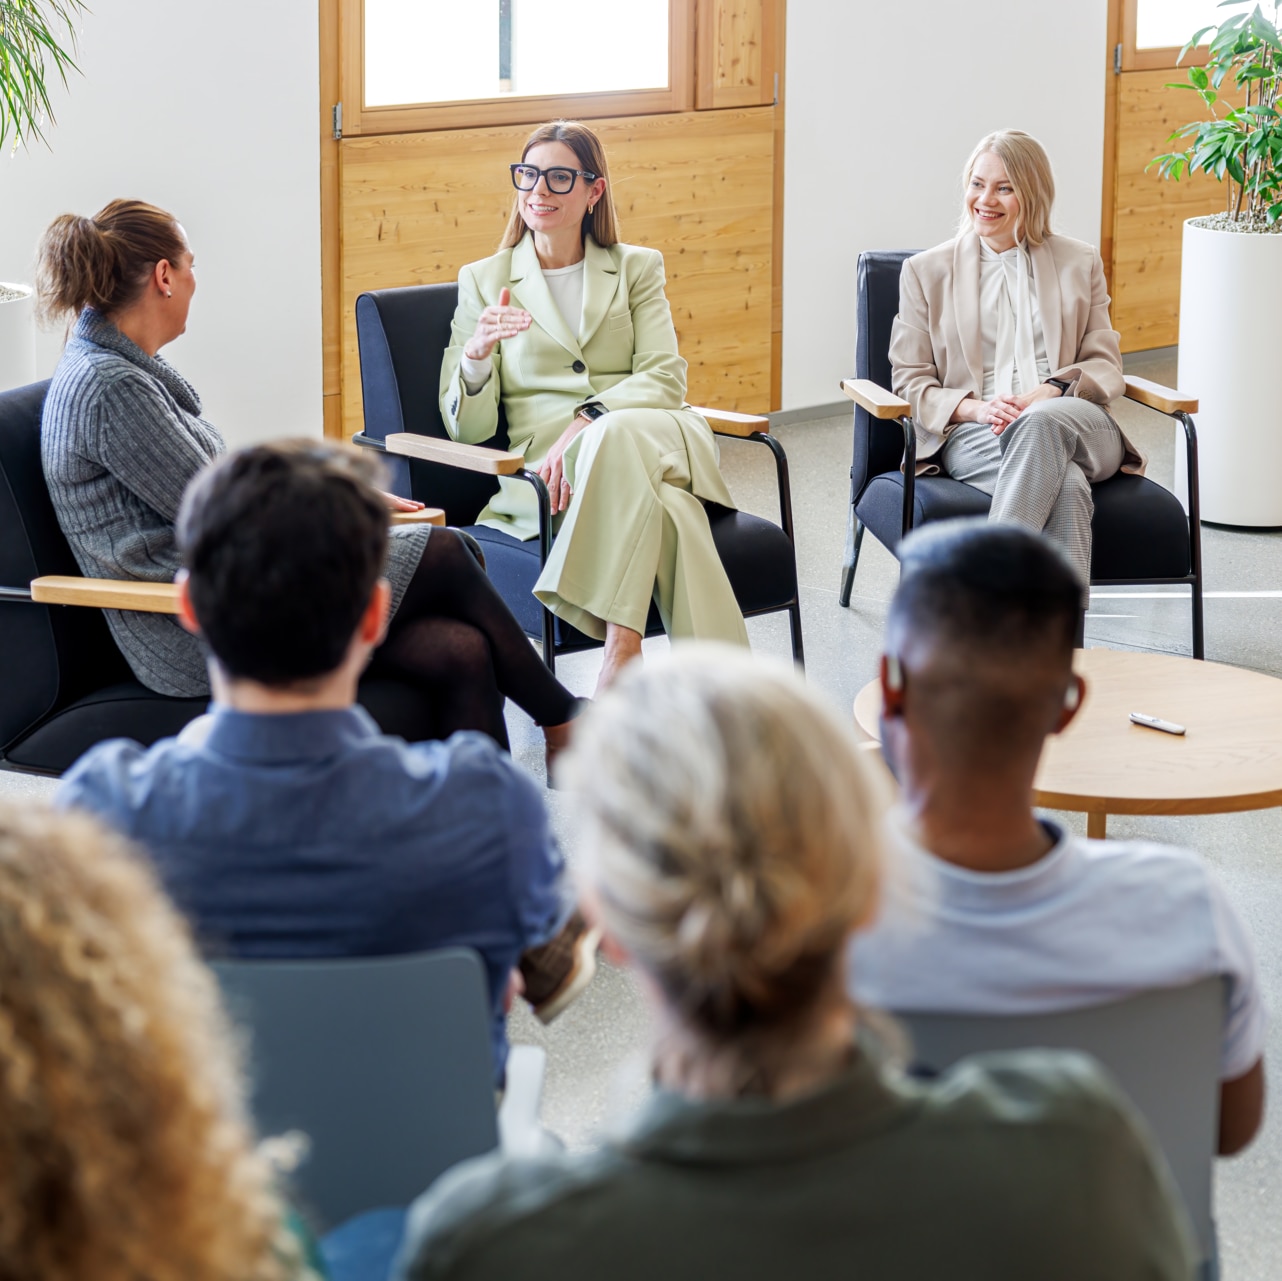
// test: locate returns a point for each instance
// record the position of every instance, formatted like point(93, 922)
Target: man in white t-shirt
point(987, 909)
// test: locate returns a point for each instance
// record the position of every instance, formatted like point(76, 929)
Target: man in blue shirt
point(283, 822)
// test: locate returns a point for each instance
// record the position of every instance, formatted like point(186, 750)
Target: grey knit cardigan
point(120, 439)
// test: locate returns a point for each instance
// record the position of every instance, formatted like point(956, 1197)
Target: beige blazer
point(936, 349)
point(623, 357)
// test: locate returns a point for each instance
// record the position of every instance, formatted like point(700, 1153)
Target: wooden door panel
point(1149, 212)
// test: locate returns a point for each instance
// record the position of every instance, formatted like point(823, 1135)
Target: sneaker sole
point(575, 985)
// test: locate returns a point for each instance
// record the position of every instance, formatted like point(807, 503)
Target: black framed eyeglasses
point(560, 181)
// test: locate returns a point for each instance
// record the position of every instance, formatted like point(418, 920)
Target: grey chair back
point(1162, 1047)
point(383, 1062)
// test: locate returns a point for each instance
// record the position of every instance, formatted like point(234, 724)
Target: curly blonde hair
point(125, 1151)
point(730, 845)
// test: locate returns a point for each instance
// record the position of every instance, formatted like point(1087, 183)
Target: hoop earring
point(591, 207)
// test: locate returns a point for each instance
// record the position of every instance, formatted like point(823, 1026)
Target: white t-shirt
point(565, 284)
point(1091, 922)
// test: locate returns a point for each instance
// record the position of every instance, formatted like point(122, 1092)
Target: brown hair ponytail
point(103, 262)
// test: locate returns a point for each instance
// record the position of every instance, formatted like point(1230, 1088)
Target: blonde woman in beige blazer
point(1004, 348)
point(569, 330)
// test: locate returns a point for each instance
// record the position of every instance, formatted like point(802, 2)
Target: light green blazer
point(624, 357)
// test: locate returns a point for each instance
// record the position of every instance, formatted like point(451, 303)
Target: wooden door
point(1143, 215)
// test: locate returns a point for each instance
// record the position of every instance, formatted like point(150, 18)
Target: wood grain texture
point(1230, 759)
point(725, 422)
point(106, 593)
point(453, 453)
point(425, 516)
point(877, 401)
point(1149, 212)
point(697, 186)
point(735, 60)
point(1155, 396)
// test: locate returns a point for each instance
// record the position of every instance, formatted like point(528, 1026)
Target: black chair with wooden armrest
point(66, 685)
point(1141, 533)
point(403, 334)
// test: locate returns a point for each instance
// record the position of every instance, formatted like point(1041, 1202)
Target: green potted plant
point(37, 38)
point(1231, 275)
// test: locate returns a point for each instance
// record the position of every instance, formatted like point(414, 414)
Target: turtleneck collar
point(94, 328)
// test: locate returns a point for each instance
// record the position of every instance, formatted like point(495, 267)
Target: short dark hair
point(978, 583)
point(283, 544)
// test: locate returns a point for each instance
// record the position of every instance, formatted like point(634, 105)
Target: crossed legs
point(1040, 469)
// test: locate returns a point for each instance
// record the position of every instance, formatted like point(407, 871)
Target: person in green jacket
point(729, 853)
point(569, 331)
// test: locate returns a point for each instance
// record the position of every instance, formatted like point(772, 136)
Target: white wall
point(884, 103)
point(208, 109)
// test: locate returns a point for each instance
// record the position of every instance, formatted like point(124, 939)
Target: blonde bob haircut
point(125, 1151)
point(1029, 169)
point(601, 223)
point(729, 847)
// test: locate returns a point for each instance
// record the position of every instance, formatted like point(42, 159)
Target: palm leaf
point(30, 55)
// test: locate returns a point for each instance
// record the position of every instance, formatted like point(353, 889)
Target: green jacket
point(626, 357)
point(1011, 1167)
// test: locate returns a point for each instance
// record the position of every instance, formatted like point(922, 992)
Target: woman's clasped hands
point(1001, 411)
point(494, 324)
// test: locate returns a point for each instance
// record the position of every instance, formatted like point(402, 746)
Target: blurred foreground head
point(730, 849)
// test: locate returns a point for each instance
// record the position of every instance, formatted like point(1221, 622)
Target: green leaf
point(29, 52)
point(1198, 77)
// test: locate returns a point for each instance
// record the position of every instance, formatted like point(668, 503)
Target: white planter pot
point(17, 336)
point(1230, 359)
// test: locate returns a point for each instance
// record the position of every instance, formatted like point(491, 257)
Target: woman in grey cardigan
point(122, 435)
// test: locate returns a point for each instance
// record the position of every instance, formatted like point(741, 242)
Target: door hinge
point(1117, 59)
point(776, 101)
point(338, 121)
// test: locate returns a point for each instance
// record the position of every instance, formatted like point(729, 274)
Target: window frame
point(362, 121)
point(1155, 58)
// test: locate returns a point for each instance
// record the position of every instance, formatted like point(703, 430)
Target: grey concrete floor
point(596, 1050)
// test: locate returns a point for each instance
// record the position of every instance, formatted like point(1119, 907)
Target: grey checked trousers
point(1039, 470)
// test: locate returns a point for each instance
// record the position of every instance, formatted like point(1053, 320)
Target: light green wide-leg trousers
point(636, 531)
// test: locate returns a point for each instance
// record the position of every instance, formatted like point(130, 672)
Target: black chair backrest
point(879, 444)
point(383, 1062)
point(402, 335)
point(50, 655)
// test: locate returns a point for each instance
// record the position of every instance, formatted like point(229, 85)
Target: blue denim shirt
point(313, 834)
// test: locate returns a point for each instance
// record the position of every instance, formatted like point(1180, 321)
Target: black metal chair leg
point(854, 541)
point(1199, 640)
point(794, 621)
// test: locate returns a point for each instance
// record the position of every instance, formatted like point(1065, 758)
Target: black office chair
point(402, 335)
point(1140, 531)
point(66, 685)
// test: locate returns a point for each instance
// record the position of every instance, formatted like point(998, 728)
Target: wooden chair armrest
point(432, 449)
point(1155, 396)
point(428, 516)
point(106, 593)
point(726, 422)
point(876, 400)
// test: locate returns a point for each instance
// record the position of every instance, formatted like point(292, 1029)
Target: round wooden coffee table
point(1229, 759)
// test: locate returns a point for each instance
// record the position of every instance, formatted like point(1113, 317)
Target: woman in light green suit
point(570, 331)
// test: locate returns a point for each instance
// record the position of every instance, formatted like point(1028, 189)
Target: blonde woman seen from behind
point(124, 1148)
point(729, 853)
